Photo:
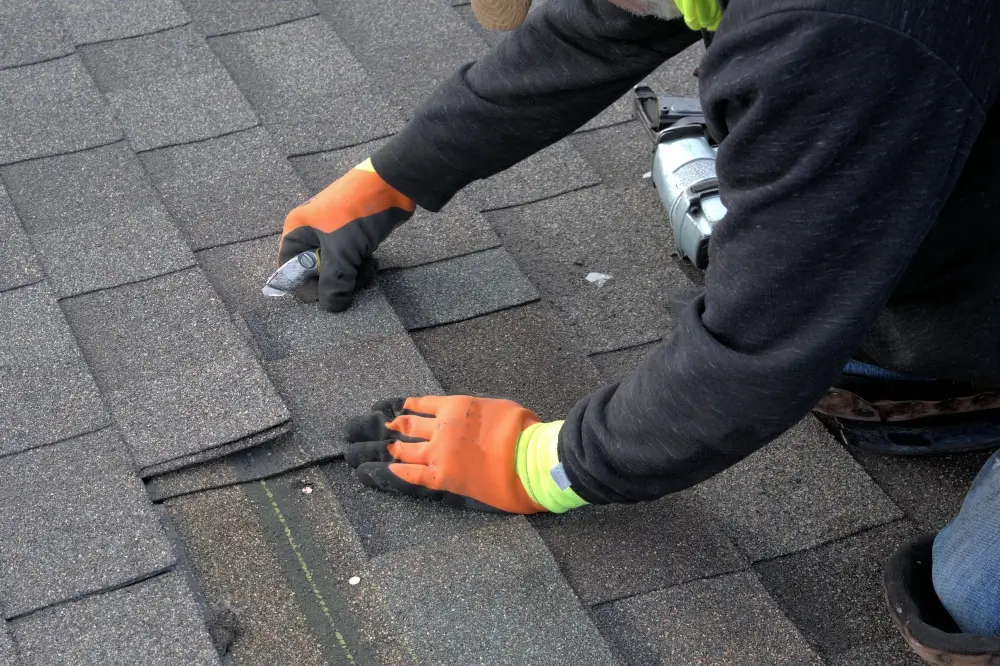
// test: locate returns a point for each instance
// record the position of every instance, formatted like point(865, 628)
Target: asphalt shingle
point(524, 354)
point(220, 17)
point(75, 521)
point(800, 491)
point(156, 619)
point(892, 652)
point(311, 92)
point(613, 366)
point(427, 237)
point(103, 20)
point(238, 272)
point(834, 593)
point(179, 378)
point(51, 108)
point(168, 88)
point(724, 621)
point(613, 552)
point(456, 289)
point(233, 188)
point(595, 232)
point(18, 265)
point(619, 154)
point(46, 390)
point(8, 655)
point(496, 592)
point(31, 31)
point(95, 220)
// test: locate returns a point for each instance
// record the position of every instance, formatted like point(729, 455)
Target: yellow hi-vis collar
point(700, 14)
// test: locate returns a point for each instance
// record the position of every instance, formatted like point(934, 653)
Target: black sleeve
point(566, 63)
point(835, 160)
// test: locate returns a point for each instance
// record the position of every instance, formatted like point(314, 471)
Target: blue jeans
point(966, 556)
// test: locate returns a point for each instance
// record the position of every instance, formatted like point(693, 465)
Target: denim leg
point(966, 556)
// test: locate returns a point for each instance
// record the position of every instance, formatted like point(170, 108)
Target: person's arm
point(841, 140)
point(566, 63)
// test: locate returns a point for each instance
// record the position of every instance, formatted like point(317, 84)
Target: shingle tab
point(619, 551)
point(75, 521)
point(178, 376)
point(615, 365)
point(18, 266)
point(233, 188)
point(834, 593)
point(726, 620)
point(31, 31)
point(8, 655)
point(456, 289)
point(168, 88)
point(560, 241)
point(238, 272)
point(102, 20)
point(220, 17)
point(95, 220)
point(46, 391)
point(496, 592)
point(427, 237)
point(51, 108)
point(800, 491)
point(892, 652)
point(156, 619)
point(308, 88)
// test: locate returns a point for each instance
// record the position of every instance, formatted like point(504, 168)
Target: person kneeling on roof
point(858, 160)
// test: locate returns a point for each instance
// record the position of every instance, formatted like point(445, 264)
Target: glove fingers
point(418, 427)
point(426, 404)
point(379, 475)
point(359, 453)
point(337, 280)
point(417, 453)
point(296, 242)
point(367, 272)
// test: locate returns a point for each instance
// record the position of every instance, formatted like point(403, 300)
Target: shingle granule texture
point(102, 20)
point(18, 265)
point(31, 31)
point(219, 17)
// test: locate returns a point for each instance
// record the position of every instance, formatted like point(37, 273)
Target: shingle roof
point(148, 152)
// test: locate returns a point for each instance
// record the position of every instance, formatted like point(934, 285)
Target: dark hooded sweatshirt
point(860, 163)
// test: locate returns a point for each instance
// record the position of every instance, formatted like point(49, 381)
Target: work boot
point(921, 617)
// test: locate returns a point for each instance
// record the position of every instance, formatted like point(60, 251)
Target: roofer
point(859, 160)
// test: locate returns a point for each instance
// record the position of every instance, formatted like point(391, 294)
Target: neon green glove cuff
point(537, 465)
point(700, 14)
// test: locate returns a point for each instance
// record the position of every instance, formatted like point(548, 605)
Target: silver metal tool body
point(293, 274)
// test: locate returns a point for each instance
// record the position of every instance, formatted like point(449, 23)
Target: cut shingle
point(95, 220)
point(524, 354)
point(619, 154)
point(800, 491)
point(456, 289)
point(46, 391)
point(427, 237)
point(31, 31)
point(75, 521)
point(307, 86)
point(220, 17)
point(18, 266)
point(834, 593)
point(612, 552)
point(224, 190)
point(724, 621)
point(103, 20)
point(495, 591)
point(613, 366)
point(8, 655)
point(51, 108)
point(168, 88)
point(893, 652)
point(611, 236)
point(238, 272)
point(179, 378)
point(156, 619)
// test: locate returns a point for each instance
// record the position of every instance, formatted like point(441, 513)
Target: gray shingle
point(494, 592)
point(179, 378)
point(456, 289)
point(523, 354)
point(308, 88)
point(46, 391)
point(51, 108)
point(95, 220)
point(800, 491)
point(18, 266)
point(729, 620)
point(619, 154)
point(893, 652)
point(101, 20)
point(157, 619)
point(408, 46)
point(220, 17)
point(834, 593)
point(31, 31)
point(256, 440)
point(75, 521)
point(168, 88)
point(560, 241)
point(615, 365)
point(233, 188)
point(238, 272)
point(618, 551)
point(8, 655)
point(427, 237)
